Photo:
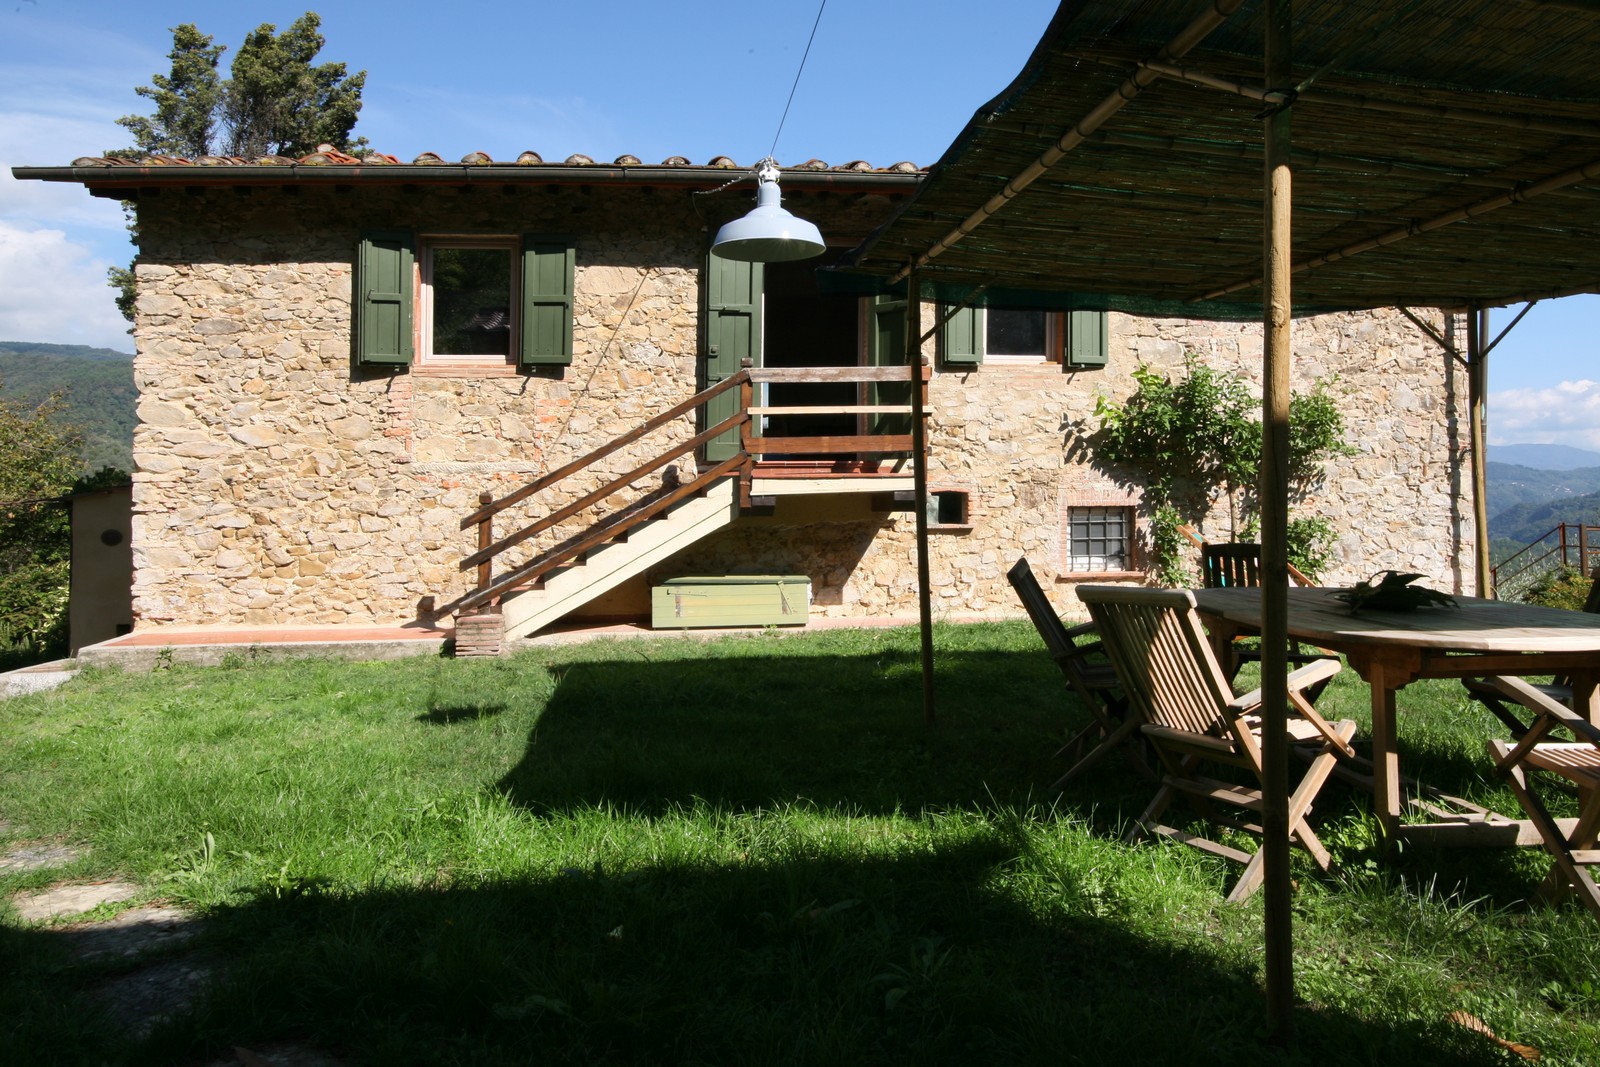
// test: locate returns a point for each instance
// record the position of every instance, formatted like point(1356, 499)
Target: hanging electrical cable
point(770, 234)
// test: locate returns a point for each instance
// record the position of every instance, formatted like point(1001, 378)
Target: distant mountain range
point(1544, 457)
point(98, 383)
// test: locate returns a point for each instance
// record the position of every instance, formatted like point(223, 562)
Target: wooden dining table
point(1392, 649)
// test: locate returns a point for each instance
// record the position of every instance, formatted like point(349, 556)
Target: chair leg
point(1299, 830)
point(1077, 741)
point(1250, 880)
point(1567, 875)
point(1094, 755)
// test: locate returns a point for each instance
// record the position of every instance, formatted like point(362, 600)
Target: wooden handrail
point(898, 373)
point(750, 445)
point(597, 536)
point(605, 449)
point(650, 466)
point(815, 446)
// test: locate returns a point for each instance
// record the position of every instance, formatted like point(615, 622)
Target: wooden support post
point(746, 431)
point(1477, 390)
point(485, 539)
point(919, 483)
point(1276, 301)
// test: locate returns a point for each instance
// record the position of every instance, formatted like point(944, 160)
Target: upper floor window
point(463, 300)
point(1011, 335)
point(468, 310)
point(1074, 340)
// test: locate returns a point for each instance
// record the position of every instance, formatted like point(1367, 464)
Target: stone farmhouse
point(341, 362)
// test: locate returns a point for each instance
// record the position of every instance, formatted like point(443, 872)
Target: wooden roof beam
point(1276, 98)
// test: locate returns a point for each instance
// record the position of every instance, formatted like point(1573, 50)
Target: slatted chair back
point(1591, 603)
point(1192, 718)
point(1052, 631)
point(1159, 648)
point(1230, 564)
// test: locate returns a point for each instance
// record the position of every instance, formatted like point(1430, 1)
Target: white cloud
point(1566, 414)
point(54, 291)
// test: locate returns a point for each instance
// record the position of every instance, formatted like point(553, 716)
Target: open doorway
point(803, 327)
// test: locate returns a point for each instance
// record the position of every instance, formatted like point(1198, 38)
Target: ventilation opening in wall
point(948, 508)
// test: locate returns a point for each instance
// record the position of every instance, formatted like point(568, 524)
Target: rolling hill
point(99, 391)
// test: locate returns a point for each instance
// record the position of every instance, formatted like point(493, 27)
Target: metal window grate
point(1098, 538)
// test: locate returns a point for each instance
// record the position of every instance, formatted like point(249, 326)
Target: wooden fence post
point(485, 539)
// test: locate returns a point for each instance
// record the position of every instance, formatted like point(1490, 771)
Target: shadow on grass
point(807, 959)
point(845, 731)
point(450, 713)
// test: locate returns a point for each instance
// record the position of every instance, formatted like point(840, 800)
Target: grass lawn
point(744, 851)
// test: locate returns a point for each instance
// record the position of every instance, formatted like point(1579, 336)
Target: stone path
point(164, 978)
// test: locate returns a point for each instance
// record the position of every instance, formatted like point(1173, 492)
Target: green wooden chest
point(731, 600)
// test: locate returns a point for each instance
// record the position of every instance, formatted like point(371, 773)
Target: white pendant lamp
point(768, 234)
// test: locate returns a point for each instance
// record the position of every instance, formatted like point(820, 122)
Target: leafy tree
point(1196, 438)
point(37, 467)
point(276, 102)
point(279, 103)
point(187, 100)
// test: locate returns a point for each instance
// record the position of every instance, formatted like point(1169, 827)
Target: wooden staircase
point(643, 532)
point(528, 611)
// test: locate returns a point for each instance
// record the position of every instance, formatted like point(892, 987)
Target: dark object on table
point(1394, 592)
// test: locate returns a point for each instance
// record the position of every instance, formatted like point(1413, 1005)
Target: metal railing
point(1566, 546)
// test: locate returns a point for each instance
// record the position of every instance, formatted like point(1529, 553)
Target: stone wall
point(1015, 439)
point(276, 482)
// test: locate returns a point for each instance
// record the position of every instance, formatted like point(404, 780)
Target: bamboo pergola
point(1258, 160)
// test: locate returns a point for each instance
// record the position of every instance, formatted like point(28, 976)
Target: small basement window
point(948, 508)
point(1099, 539)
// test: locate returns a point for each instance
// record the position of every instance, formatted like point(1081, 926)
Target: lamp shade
point(768, 234)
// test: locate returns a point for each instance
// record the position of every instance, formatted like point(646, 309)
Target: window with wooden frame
point(467, 311)
point(1073, 340)
point(463, 300)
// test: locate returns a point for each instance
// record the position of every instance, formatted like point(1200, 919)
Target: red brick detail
point(479, 635)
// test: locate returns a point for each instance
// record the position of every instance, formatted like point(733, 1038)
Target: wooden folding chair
point(1092, 680)
point(1488, 693)
point(1230, 563)
point(1570, 841)
point(1192, 718)
point(1237, 565)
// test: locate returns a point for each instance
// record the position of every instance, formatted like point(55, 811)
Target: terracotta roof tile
point(327, 155)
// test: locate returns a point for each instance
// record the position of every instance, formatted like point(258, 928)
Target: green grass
point(746, 851)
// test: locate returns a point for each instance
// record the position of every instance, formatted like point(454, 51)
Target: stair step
point(606, 566)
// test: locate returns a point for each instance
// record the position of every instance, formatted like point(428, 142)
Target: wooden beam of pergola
point(1544, 186)
point(1119, 98)
point(1326, 98)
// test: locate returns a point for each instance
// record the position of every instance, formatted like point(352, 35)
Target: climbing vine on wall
point(1196, 439)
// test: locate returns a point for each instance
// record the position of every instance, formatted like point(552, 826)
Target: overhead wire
point(771, 154)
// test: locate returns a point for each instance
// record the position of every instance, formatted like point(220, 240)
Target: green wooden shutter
point(732, 335)
point(548, 267)
point(961, 340)
point(886, 347)
point(1086, 339)
point(382, 329)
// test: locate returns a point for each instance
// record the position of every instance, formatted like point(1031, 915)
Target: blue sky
point(887, 80)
